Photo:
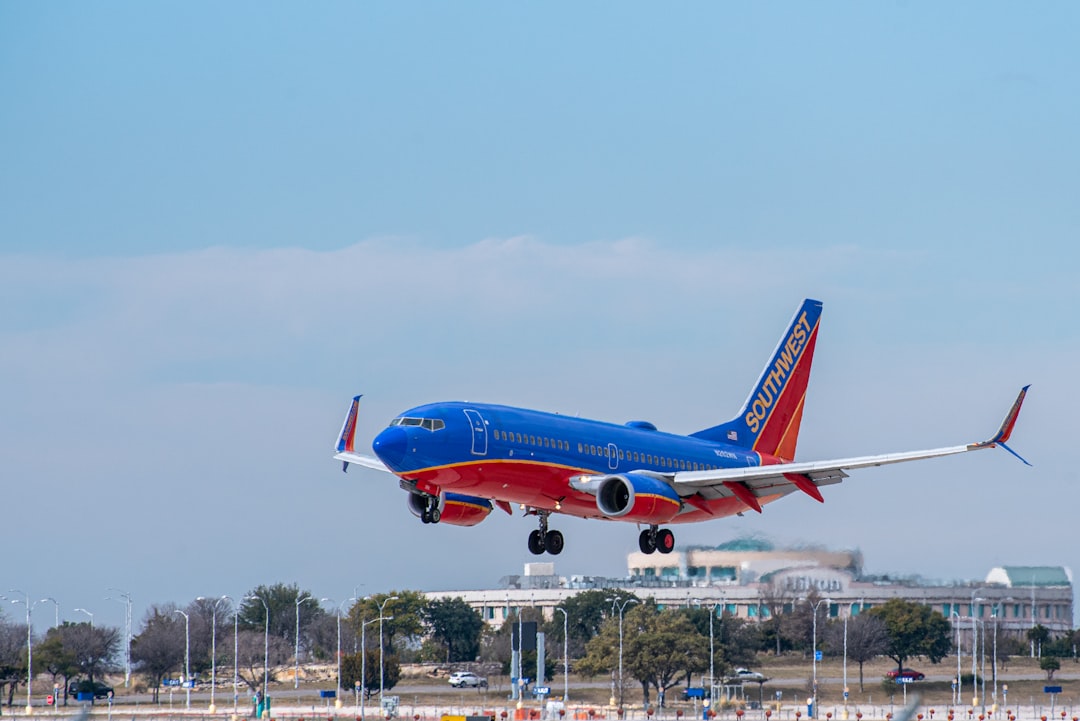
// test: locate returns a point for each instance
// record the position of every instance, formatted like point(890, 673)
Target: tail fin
point(769, 420)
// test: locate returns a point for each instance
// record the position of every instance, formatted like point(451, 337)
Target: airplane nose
point(391, 445)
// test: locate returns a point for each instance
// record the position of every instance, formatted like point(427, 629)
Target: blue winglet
point(1013, 452)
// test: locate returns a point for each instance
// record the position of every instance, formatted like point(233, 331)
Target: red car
point(908, 673)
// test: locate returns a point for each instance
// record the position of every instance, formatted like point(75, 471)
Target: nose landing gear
point(431, 512)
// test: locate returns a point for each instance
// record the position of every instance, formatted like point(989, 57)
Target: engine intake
point(635, 497)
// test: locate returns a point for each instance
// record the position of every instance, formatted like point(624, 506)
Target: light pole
point(187, 657)
point(213, 646)
point(127, 631)
point(363, 661)
point(565, 655)
point(55, 603)
point(381, 682)
point(266, 645)
point(712, 653)
point(337, 695)
point(851, 610)
point(235, 654)
point(29, 643)
point(622, 607)
point(296, 652)
point(813, 650)
point(957, 691)
point(83, 610)
point(974, 658)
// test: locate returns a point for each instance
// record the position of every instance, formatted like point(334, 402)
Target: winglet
point(1007, 425)
point(1010, 420)
point(347, 439)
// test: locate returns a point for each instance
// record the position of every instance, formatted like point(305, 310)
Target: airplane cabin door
point(613, 457)
point(479, 432)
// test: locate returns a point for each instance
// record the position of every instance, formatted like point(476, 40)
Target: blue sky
point(220, 222)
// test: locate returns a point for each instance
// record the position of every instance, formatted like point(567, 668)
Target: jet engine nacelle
point(454, 508)
point(636, 497)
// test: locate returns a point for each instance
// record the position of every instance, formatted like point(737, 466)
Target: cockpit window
point(432, 424)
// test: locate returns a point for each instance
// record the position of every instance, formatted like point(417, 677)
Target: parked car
point(909, 673)
point(463, 679)
point(745, 674)
point(100, 690)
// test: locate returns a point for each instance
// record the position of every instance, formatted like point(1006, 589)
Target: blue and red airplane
point(459, 460)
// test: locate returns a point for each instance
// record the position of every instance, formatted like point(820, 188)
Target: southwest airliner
point(457, 461)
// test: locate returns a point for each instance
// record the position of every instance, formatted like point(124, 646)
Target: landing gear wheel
point(536, 543)
point(436, 516)
point(554, 542)
point(425, 516)
point(665, 541)
point(647, 541)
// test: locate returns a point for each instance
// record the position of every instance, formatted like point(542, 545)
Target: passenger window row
point(676, 464)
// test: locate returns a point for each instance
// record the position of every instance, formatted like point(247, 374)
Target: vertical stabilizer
point(769, 420)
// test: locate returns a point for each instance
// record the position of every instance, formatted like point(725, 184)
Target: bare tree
point(12, 657)
point(867, 638)
point(159, 647)
point(250, 651)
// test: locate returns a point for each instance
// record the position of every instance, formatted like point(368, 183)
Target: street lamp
point(337, 695)
point(213, 646)
point(29, 643)
point(127, 631)
point(712, 653)
point(187, 657)
point(565, 655)
point(235, 652)
point(381, 681)
point(266, 645)
point(55, 603)
point(851, 609)
point(974, 646)
point(622, 607)
point(957, 691)
point(363, 661)
point(83, 610)
point(296, 652)
point(813, 650)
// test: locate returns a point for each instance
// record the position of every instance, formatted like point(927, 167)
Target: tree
point(12, 657)
point(1049, 664)
point(281, 602)
point(455, 624)
point(209, 616)
point(914, 629)
point(353, 663)
point(780, 604)
point(867, 638)
point(53, 655)
point(401, 616)
point(1038, 635)
point(585, 614)
point(159, 648)
point(658, 648)
point(663, 647)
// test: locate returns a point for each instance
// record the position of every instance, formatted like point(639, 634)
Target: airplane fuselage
point(529, 457)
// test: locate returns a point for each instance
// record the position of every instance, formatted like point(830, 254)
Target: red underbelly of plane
point(544, 486)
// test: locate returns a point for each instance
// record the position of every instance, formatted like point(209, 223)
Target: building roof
point(1013, 576)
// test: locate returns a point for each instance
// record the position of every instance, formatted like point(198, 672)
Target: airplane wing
point(749, 484)
point(359, 459)
point(347, 441)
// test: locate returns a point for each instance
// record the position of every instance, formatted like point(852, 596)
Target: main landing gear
point(656, 539)
point(542, 539)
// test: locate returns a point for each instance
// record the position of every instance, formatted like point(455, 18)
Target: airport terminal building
point(752, 579)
